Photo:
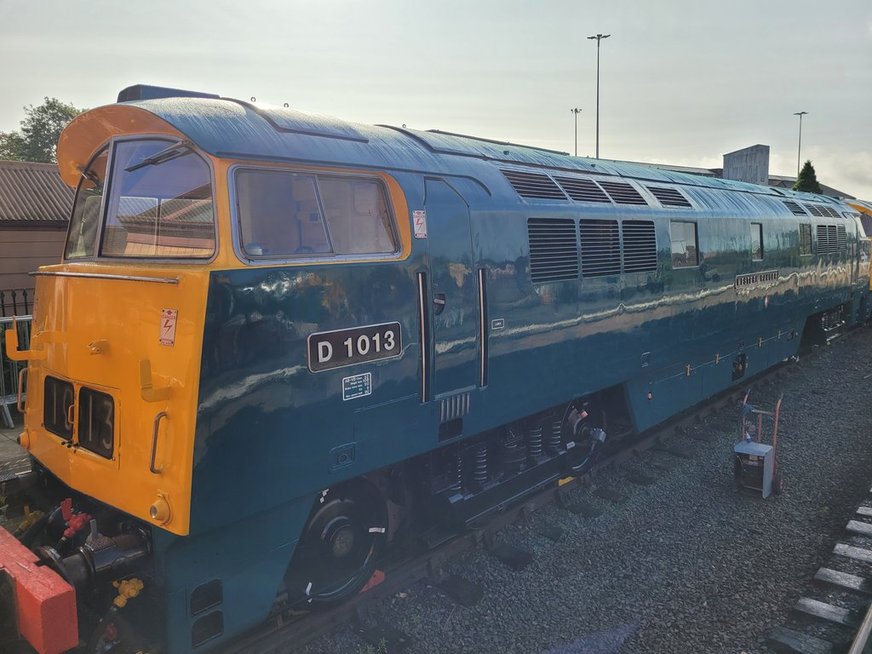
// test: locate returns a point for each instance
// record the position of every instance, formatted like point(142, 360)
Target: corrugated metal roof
point(33, 193)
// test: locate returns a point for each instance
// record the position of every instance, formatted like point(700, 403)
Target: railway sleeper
point(783, 639)
point(464, 592)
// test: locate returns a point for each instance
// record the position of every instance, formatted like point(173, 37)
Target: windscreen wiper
point(173, 151)
point(90, 175)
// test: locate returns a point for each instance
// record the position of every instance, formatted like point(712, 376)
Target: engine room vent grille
point(454, 407)
point(669, 197)
point(600, 248)
point(827, 239)
point(822, 240)
point(622, 193)
point(841, 238)
point(830, 211)
point(582, 190)
point(794, 207)
point(814, 210)
point(534, 185)
point(640, 246)
point(553, 249)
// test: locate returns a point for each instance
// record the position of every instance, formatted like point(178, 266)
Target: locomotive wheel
point(582, 455)
point(339, 546)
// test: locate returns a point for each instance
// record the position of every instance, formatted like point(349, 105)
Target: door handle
point(439, 303)
point(154, 434)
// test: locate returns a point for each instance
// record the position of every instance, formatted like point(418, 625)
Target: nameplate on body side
point(346, 347)
point(757, 279)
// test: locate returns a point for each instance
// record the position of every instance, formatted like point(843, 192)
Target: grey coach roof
point(33, 194)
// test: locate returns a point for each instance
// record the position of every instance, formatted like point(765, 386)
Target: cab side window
point(280, 215)
point(685, 248)
point(284, 214)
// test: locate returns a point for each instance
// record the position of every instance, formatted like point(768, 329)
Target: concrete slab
point(11, 454)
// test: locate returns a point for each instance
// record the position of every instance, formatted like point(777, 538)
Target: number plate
point(345, 347)
point(96, 422)
point(57, 412)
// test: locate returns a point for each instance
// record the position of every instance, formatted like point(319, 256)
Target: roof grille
point(533, 185)
point(814, 210)
point(794, 207)
point(669, 197)
point(622, 193)
point(582, 190)
point(553, 249)
point(832, 212)
point(841, 238)
point(600, 248)
point(640, 246)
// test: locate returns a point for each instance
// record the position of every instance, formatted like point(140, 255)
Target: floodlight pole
point(598, 37)
point(576, 111)
point(799, 146)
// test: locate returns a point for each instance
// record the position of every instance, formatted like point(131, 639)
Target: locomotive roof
point(234, 128)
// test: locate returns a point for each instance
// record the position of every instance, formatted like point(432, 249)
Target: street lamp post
point(576, 111)
point(799, 146)
point(598, 37)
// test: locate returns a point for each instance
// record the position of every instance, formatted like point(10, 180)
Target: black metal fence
point(16, 302)
point(10, 370)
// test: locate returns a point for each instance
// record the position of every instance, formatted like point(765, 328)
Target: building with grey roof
point(34, 213)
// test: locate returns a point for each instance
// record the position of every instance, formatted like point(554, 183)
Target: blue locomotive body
point(561, 278)
point(537, 305)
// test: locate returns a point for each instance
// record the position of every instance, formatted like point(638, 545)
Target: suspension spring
point(534, 441)
point(479, 473)
point(457, 483)
point(555, 439)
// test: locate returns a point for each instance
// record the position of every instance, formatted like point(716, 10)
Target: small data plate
point(357, 386)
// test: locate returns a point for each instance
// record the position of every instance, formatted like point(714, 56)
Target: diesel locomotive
point(277, 343)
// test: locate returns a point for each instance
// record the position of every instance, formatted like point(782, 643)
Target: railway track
point(287, 630)
point(835, 616)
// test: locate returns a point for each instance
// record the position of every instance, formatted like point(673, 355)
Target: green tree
point(807, 180)
point(37, 140)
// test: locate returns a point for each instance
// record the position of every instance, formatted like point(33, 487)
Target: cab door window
point(757, 241)
point(85, 221)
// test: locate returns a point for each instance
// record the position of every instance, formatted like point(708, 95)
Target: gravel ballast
point(686, 564)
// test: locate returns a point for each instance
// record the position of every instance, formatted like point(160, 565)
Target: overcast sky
point(682, 81)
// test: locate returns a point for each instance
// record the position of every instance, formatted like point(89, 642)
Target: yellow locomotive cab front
point(114, 357)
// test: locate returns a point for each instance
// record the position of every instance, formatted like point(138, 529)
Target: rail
point(861, 640)
point(10, 371)
point(834, 611)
